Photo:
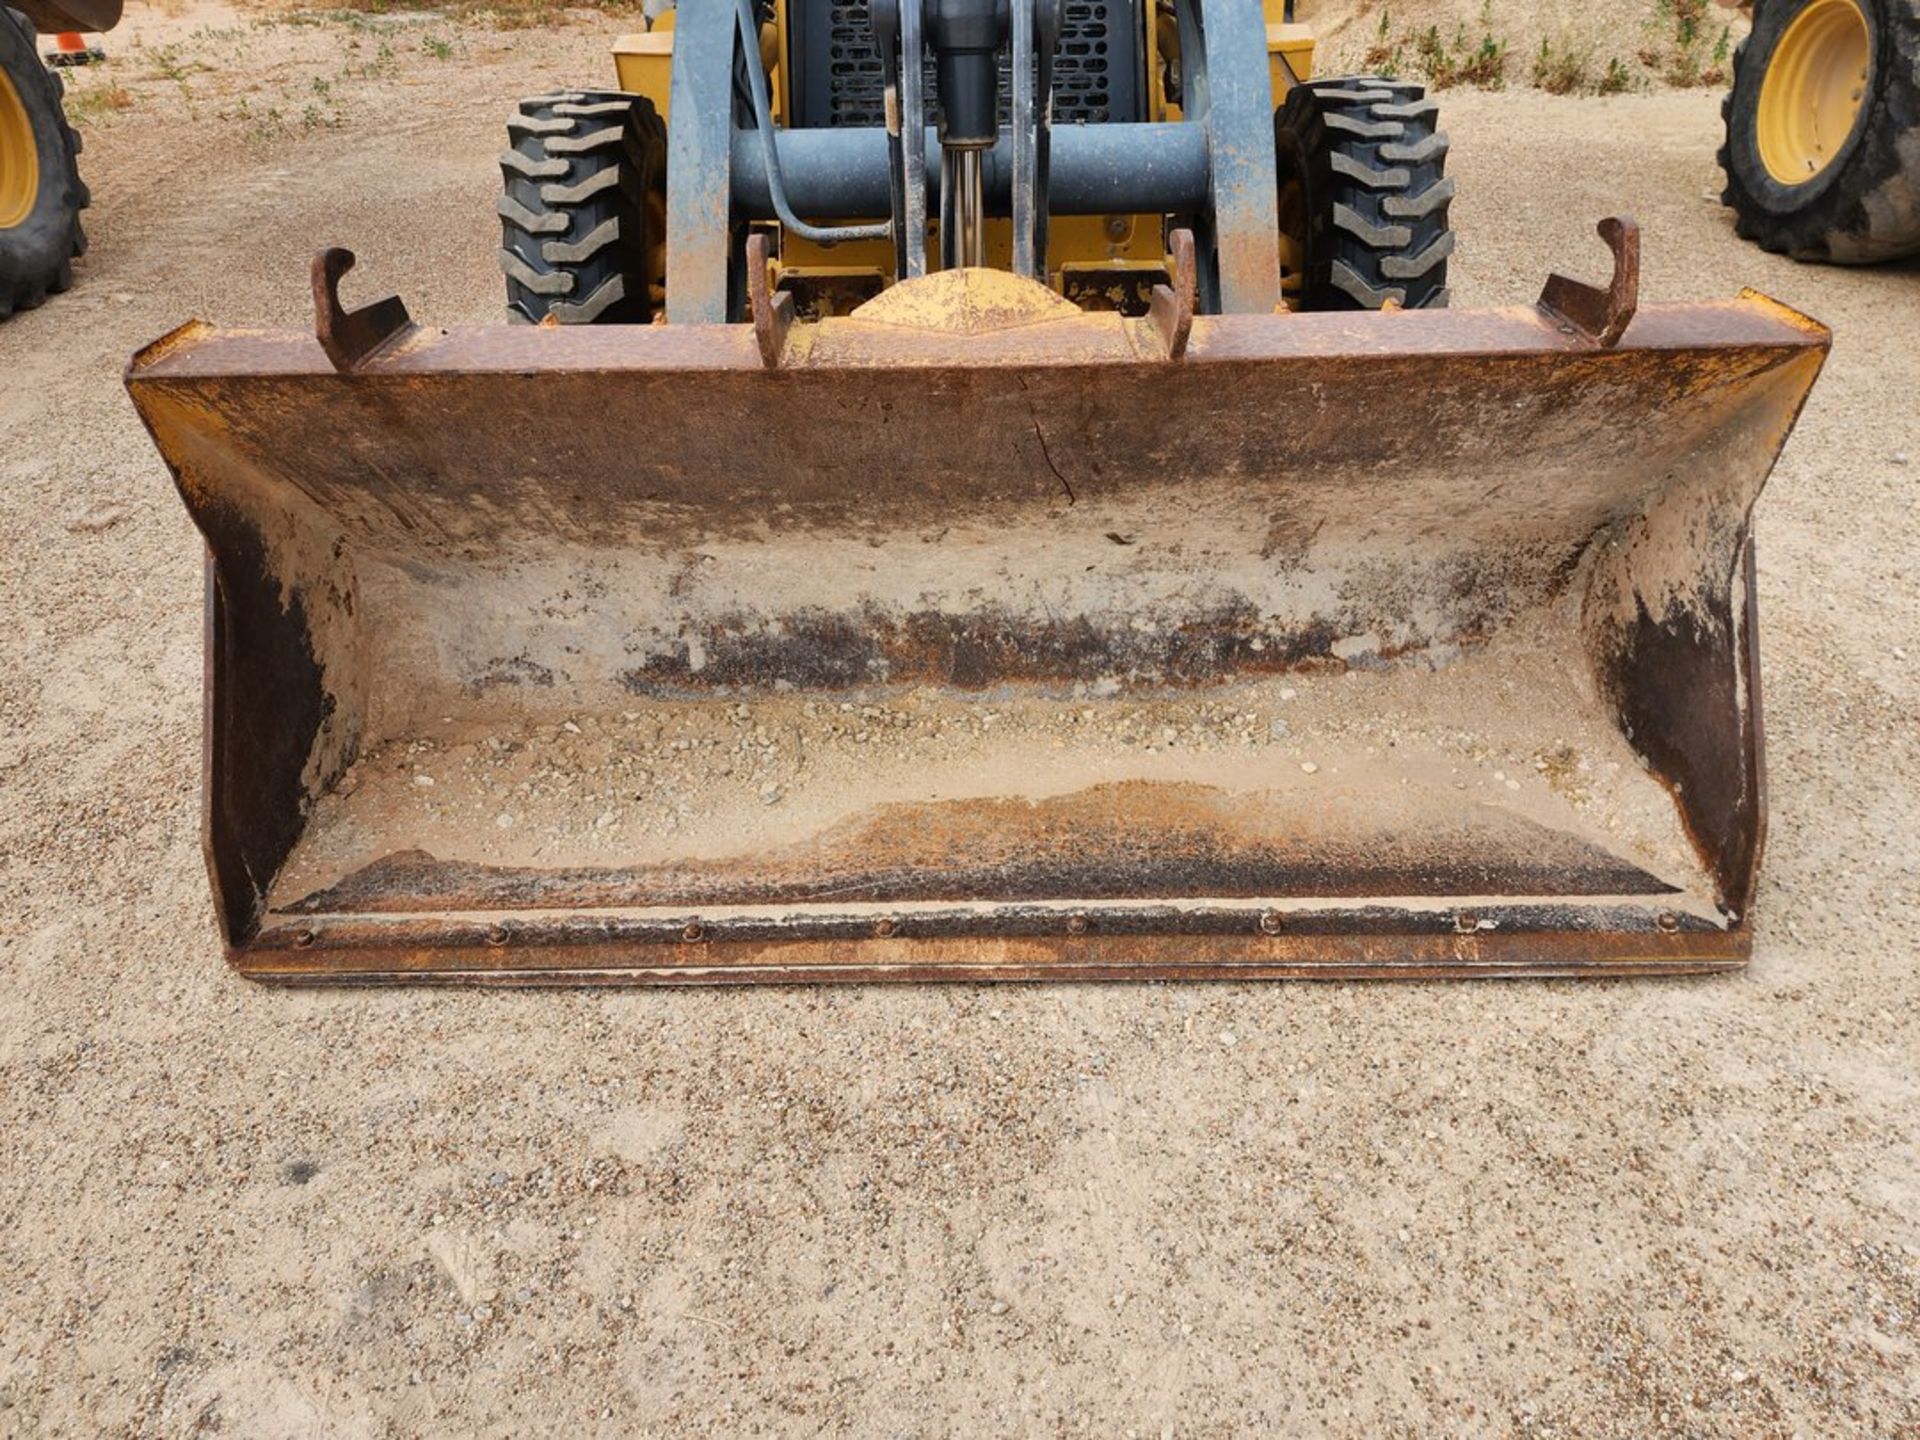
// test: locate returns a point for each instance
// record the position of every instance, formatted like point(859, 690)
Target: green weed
point(87, 103)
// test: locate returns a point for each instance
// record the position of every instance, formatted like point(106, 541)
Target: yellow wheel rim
point(1292, 217)
point(19, 158)
point(1814, 90)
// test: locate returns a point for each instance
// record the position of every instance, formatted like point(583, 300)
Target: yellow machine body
point(1102, 245)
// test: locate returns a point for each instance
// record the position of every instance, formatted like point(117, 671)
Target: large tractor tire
point(41, 194)
point(1363, 195)
point(583, 216)
point(1822, 151)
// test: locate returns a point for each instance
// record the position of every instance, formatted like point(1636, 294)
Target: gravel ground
point(1550, 1209)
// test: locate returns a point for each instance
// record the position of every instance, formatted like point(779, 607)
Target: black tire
point(1864, 204)
point(37, 248)
point(583, 212)
point(1364, 194)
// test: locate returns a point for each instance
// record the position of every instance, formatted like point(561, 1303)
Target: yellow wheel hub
point(1815, 87)
point(19, 158)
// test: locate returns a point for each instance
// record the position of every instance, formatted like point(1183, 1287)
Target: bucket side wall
point(287, 663)
point(1669, 618)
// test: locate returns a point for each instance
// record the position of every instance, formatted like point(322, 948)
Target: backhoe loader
point(982, 489)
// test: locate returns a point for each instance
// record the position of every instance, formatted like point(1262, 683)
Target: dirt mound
point(1563, 46)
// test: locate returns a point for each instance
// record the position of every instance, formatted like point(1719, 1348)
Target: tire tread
point(574, 208)
point(1372, 160)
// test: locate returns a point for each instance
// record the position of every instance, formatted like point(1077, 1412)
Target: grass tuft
point(86, 103)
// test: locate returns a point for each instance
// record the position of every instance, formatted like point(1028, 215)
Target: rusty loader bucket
point(975, 636)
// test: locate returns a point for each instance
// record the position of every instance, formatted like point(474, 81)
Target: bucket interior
point(1492, 771)
point(1322, 620)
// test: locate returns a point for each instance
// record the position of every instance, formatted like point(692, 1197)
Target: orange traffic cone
point(71, 48)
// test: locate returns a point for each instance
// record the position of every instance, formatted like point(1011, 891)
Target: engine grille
point(837, 81)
